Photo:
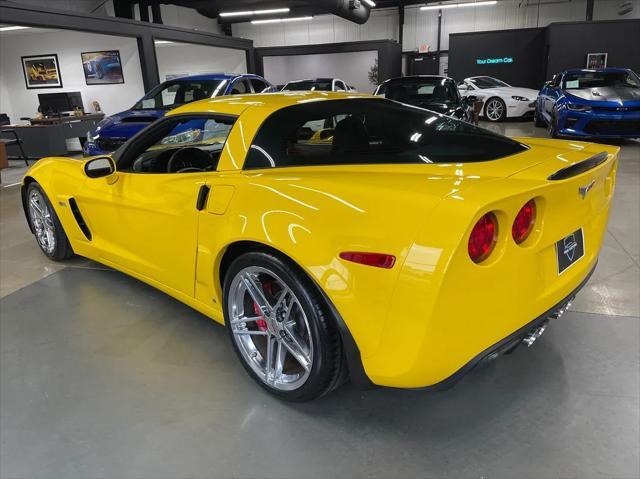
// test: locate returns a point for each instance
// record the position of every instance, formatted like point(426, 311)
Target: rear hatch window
point(370, 131)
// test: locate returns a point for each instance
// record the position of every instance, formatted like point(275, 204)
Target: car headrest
point(350, 136)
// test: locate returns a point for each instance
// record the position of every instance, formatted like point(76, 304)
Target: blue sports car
point(591, 104)
point(114, 130)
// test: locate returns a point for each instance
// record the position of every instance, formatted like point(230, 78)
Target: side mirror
point(548, 84)
point(99, 167)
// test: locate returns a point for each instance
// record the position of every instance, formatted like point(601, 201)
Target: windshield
point(488, 82)
point(594, 79)
point(420, 90)
point(174, 93)
point(370, 131)
point(313, 85)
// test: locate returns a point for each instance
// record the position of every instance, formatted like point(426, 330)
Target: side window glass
point(258, 85)
point(187, 145)
point(239, 87)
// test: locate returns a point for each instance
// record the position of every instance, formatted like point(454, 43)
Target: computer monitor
point(56, 103)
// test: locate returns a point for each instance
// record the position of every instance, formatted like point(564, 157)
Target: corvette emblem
point(570, 245)
point(583, 190)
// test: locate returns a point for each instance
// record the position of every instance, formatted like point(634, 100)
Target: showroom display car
point(113, 131)
point(585, 103)
point(500, 100)
point(338, 235)
point(433, 92)
point(317, 84)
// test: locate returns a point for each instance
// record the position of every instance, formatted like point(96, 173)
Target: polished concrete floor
point(103, 376)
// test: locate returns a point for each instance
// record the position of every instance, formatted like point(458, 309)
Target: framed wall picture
point(103, 67)
point(42, 71)
point(596, 60)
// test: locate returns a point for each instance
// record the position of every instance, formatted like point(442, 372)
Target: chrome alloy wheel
point(270, 328)
point(495, 110)
point(42, 221)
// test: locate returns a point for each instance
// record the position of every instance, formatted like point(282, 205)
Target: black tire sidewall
point(323, 363)
point(553, 125)
point(61, 251)
point(504, 109)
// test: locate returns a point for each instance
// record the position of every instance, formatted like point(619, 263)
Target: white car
point(499, 99)
point(318, 84)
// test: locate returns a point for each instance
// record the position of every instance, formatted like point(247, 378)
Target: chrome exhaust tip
point(562, 309)
point(534, 334)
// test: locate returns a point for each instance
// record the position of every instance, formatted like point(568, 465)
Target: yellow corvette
point(339, 235)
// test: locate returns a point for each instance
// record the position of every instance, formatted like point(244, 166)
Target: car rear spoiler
point(578, 168)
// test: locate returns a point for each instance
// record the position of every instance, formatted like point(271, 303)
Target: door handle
point(203, 194)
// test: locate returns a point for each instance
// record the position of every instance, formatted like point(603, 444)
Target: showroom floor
point(103, 376)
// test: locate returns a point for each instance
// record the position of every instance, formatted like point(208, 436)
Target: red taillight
point(370, 259)
point(523, 224)
point(483, 238)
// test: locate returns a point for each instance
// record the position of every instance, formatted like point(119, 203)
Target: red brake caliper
point(262, 323)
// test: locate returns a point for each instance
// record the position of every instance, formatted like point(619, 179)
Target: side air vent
point(579, 168)
point(79, 219)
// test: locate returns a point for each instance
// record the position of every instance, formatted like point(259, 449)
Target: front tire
point(495, 110)
point(281, 328)
point(553, 125)
point(537, 119)
point(46, 225)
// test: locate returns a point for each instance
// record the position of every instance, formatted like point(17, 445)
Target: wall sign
point(493, 61)
point(596, 60)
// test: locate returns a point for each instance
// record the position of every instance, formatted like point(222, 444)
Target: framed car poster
point(102, 67)
point(596, 60)
point(41, 71)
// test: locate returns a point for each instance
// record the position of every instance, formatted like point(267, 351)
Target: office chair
point(13, 141)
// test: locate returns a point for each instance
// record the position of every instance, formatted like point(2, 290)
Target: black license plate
point(569, 250)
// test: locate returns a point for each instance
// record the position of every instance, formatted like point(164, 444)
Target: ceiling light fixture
point(370, 3)
point(248, 13)
point(162, 42)
point(458, 5)
point(282, 20)
point(15, 27)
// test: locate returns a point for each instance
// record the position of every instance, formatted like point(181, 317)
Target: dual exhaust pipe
point(536, 332)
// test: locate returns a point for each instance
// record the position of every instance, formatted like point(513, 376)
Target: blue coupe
point(591, 104)
point(114, 130)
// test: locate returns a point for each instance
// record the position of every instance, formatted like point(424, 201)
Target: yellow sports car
point(339, 235)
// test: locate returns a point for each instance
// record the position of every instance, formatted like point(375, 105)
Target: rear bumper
point(510, 342)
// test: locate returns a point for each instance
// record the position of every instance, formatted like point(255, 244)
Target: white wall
point(188, 18)
point(352, 67)
point(189, 59)
point(17, 101)
point(421, 27)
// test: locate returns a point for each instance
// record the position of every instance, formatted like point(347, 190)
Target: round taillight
point(523, 224)
point(483, 238)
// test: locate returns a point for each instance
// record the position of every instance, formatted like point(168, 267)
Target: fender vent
point(579, 168)
point(79, 219)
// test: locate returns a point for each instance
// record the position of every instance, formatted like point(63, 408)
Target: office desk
point(46, 136)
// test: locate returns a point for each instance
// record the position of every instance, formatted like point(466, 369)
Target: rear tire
point(44, 221)
point(281, 328)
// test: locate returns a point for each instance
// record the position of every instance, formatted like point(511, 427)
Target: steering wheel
point(188, 159)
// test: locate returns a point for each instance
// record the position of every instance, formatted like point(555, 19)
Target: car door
point(145, 219)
